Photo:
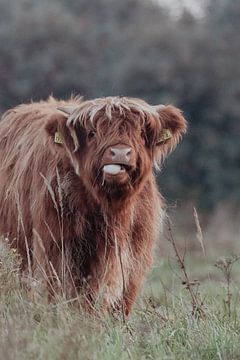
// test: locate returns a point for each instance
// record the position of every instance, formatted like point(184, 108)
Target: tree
point(136, 48)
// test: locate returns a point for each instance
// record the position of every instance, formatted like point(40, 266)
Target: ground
point(165, 323)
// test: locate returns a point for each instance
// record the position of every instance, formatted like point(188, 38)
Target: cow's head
point(114, 143)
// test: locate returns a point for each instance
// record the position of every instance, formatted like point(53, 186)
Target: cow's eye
point(91, 135)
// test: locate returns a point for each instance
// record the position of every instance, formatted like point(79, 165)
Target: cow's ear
point(172, 127)
point(59, 132)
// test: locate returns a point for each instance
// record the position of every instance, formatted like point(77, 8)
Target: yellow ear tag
point(58, 138)
point(165, 135)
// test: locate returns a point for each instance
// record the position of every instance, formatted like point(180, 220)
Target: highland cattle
point(78, 194)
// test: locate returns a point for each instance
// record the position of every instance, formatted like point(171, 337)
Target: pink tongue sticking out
point(112, 169)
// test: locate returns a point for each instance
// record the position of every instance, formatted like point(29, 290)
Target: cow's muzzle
point(118, 159)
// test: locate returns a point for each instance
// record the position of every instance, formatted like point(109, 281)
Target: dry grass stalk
point(190, 285)
point(123, 286)
point(226, 265)
point(199, 231)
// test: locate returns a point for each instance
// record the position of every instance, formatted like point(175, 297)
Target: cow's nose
point(120, 153)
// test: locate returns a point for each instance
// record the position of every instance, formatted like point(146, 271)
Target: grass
point(162, 325)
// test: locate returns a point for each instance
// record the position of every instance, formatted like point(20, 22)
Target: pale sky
point(177, 6)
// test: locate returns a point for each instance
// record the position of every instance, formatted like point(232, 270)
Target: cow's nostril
point(113, 152)
point(128, 152)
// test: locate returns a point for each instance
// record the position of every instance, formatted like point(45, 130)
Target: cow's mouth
point(115, 169)
point(115, 180)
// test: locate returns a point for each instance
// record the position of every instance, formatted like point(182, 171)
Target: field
point(178, 316)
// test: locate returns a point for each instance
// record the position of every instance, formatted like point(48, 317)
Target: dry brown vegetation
point(162, 326)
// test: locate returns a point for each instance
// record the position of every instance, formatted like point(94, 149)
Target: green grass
point(161, 326)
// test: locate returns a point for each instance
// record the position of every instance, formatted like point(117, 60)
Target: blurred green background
point(159, 51)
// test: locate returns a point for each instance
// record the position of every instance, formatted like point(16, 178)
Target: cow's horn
point(67, 109)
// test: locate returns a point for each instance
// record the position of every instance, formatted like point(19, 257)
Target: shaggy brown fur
point(76, 227)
